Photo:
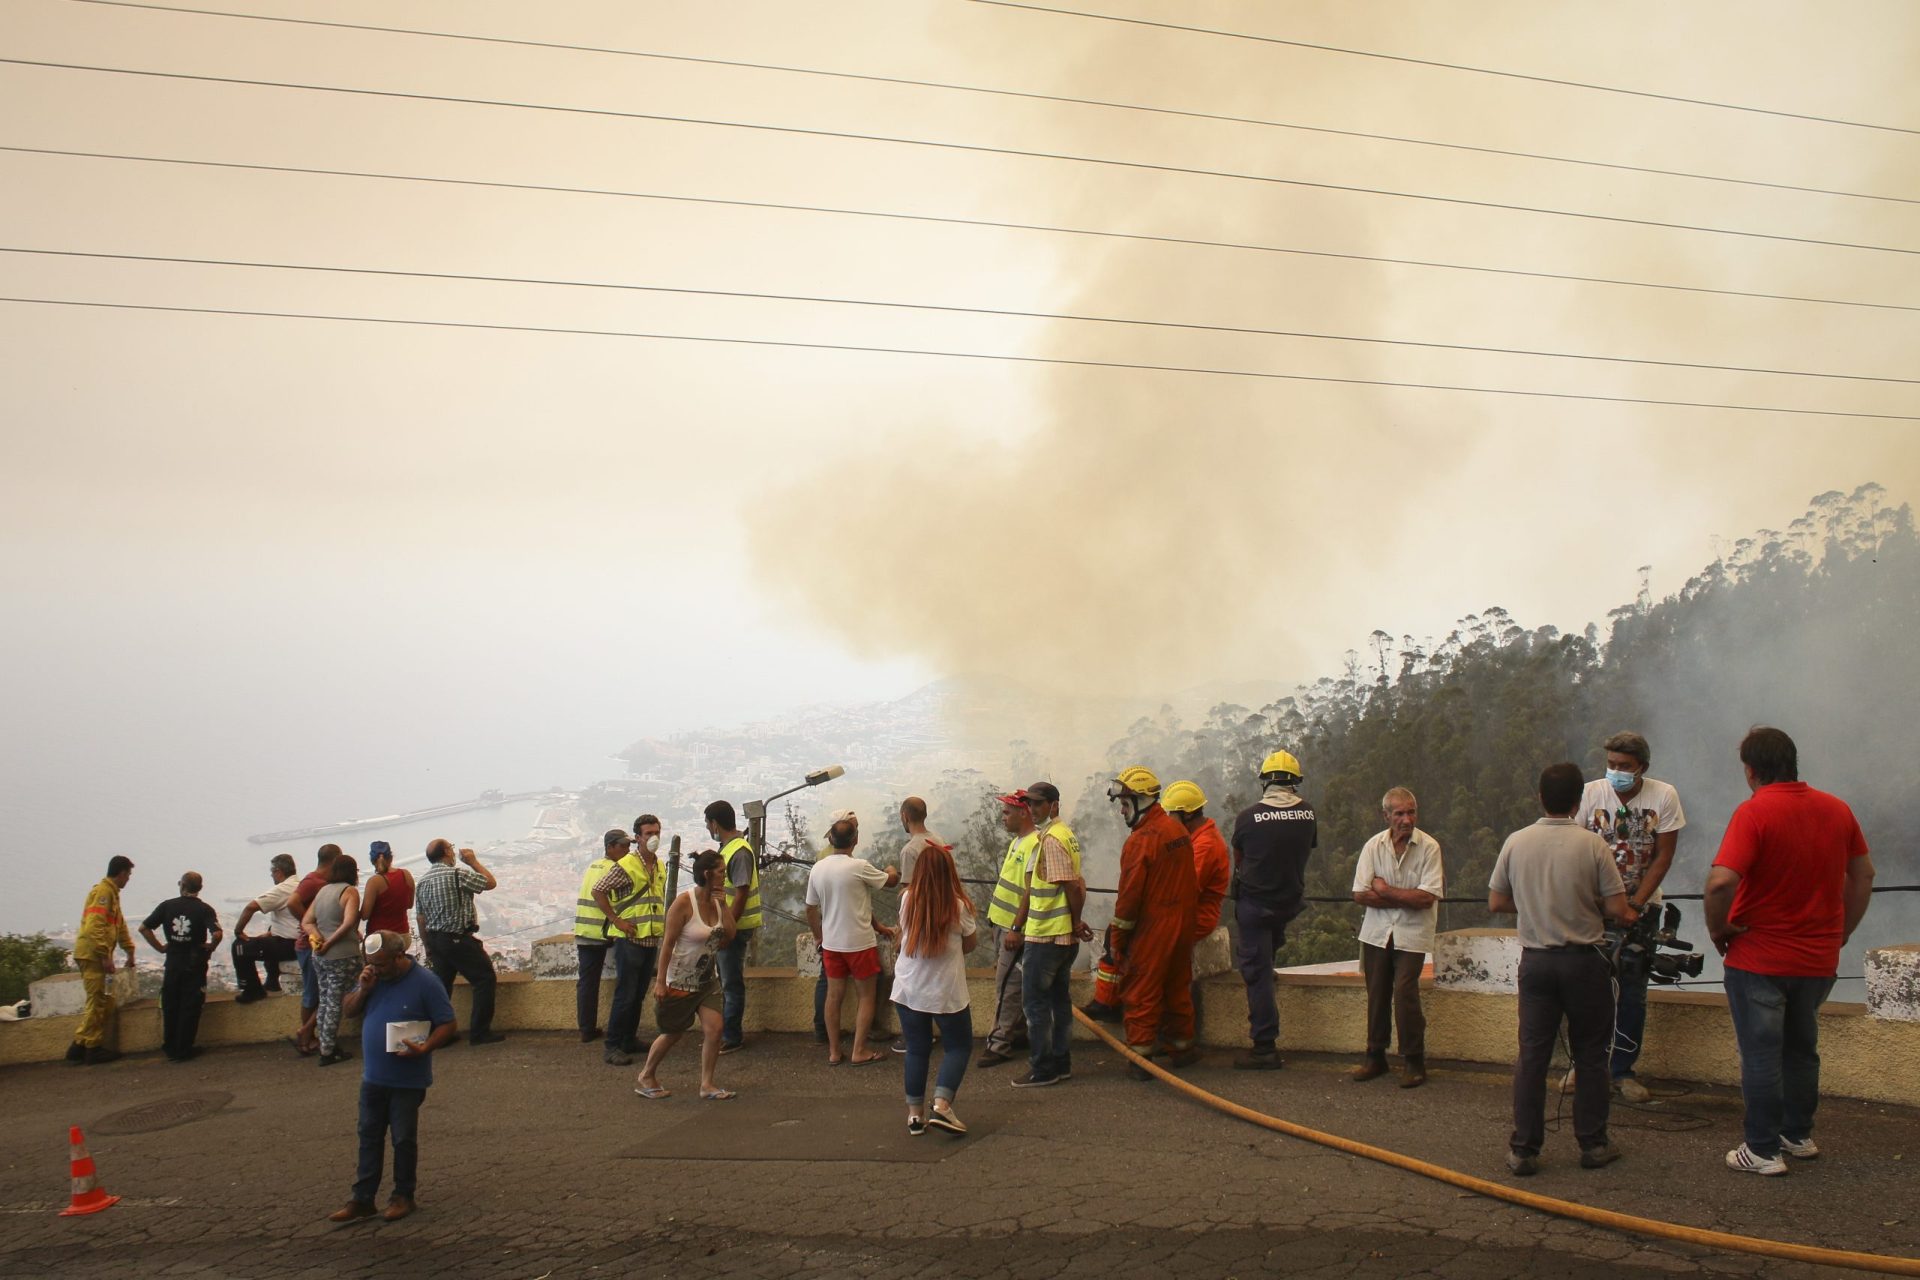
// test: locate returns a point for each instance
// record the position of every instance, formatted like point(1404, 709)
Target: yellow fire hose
point(1880, 1262)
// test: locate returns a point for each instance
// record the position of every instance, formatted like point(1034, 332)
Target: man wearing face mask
point(1641, 818)
point(632, 894)
point(1153, 922)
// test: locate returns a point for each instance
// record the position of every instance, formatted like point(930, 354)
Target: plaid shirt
point(443, 897)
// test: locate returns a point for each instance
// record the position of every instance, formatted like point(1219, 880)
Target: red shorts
point(858, 965)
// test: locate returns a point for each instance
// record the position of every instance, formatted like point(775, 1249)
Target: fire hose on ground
point(1880, 1262)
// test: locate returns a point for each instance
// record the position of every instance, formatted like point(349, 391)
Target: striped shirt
point(443, 897)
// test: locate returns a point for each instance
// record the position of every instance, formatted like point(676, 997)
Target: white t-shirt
point(1653, 812)
point(934, 983)
point(842, 885)
point(281, 923)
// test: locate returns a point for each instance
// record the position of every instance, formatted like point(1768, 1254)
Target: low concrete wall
point(1689, 1034)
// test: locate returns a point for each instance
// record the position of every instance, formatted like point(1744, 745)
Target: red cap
point(1016, 799)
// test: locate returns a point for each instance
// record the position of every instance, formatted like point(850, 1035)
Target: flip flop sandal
point(718, 1095)
point(867, 1062)
point(836, 1062)
point(653, 1094)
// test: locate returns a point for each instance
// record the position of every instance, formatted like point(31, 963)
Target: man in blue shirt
point(404, 1016)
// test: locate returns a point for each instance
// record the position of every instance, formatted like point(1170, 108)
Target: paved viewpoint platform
point(539, 1161)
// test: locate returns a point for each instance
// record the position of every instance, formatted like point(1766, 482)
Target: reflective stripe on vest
point(645, 902)
point(1048, 915)
point(1013, 868)
point(589, 921)
point(750, 916)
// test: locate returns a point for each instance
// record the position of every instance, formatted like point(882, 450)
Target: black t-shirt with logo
point(1271, 846)
point(185, 925)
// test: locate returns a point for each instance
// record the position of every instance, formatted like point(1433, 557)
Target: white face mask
point(653, 844)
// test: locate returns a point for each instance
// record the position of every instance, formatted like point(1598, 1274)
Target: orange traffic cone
point(87, 1195)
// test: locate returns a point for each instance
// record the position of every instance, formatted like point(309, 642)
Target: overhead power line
point(941, 220)
point(1452, 66)
point(1007, 312)
point(1143, 166)
point(864, 349)
point(1064, 99)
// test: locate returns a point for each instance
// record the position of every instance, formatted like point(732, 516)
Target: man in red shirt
point(1788, 887)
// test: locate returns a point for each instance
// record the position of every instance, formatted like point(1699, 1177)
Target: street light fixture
point(757, 809)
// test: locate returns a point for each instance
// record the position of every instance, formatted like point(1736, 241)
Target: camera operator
point(1790, 884)
point(1560, 879)
point(1641, 817)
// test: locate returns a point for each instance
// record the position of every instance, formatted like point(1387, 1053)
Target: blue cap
point(378, 848)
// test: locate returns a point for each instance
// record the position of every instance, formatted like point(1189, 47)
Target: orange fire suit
point(1153, 921)
point(1213, 866)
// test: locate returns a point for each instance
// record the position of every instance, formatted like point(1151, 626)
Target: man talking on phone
point(404, 1016)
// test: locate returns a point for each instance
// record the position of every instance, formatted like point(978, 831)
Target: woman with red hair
point(937, 931)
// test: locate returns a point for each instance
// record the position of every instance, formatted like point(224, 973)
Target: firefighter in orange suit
point(102, 927)
point(1153, 921)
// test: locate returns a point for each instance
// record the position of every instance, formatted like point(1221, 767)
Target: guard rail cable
point(1887, 1264)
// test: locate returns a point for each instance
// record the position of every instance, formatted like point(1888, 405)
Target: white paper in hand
point(402, 1031)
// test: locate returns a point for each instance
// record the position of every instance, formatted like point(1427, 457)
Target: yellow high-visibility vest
point(646, 902)
point(750, 915)
point(1048, 915)
point(590, 924)
point(1013, 870)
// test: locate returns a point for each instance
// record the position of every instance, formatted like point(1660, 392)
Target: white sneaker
point(1632, 1090)
point(1742, 1160)
point(1799, 1150)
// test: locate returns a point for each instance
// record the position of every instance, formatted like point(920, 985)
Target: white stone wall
point(1893, 983)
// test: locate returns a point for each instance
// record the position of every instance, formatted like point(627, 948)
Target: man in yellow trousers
point(102, 926)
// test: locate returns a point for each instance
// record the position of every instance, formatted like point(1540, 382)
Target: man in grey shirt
point(1560, 879)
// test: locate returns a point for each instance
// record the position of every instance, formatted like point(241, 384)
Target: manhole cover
point(182, 1108)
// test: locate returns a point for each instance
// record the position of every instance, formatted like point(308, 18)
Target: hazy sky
point(252, 559)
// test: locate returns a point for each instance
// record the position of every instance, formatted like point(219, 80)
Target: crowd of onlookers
point(1788, 886)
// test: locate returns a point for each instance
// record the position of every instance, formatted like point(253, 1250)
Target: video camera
point(1638, 948)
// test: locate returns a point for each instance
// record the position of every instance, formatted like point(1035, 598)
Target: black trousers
point(1575, 986)
point(266, 949)
point(452, 955)
point(183, 994)
point(586, 995)
point(633, 967)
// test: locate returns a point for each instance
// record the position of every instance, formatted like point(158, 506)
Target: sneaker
point(915, 1126)
point(734, 1047)
point(1599, 1157)
point(328, 1059)
point(899, 1046)
point(1259, 1058)
point(1805, 1150)
point(1631, 1090)
point(614, 1058)
point(248, 997)
point(946, 1120)
point(1522, 1166)
point(1034, 1080)
point(1742, 1160)
point(992, 1058)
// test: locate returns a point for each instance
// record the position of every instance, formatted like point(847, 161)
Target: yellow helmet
point(1281, 762)
point(1139, 780)
point(1184, 797)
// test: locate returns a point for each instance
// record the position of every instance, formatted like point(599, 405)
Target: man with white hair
point(1398, 880)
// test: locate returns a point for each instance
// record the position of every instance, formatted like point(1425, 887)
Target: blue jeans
point(733, 987)
point(382, 1109)
point(586, 990)
point(633, 968)
point(309, 981)
point(1629, 1016)
point(1045, 970)
point(1260, 929)
point(956, 1045)
point(1776, 1021)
